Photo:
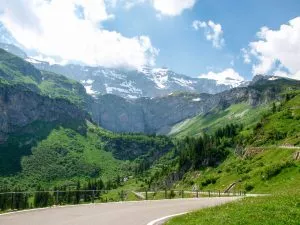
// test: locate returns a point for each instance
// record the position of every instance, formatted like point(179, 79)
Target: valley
point(149, 112)
point(55, 136)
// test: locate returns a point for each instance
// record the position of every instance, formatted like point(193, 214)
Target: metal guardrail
point(20, 200)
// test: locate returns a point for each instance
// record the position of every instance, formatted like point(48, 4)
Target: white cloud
point(213, 32)
point(53, 29)
point(228, 77)
point(128, 4)
point(163, 7)
point(246, 56)
point(277, 48)
point(172, 7)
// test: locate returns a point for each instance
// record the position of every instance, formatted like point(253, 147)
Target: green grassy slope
point(219, 118)
point(258, 162)
point(270, 210)
point(64, 156)
point(282, 126)
point(263, 161)
point(58, 86)
point(46, 153)
point(268, 164)
point(264, 170)
point(14, 70)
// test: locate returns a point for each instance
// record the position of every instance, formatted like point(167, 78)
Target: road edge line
point(165, 218)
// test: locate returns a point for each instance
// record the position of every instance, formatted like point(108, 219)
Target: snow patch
point(90, 91)
point(131, 88)
point(34, 61)
point(273, 78)
point(183, 82)
point(132, 96)
point(227, 77)
point(196, 100)
point(160, 77)
point(111, 90)
point(111, 74)
point(162, 71)
point(89, 81)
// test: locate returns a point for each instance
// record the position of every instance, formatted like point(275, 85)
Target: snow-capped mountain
point(130, 84)
point(147, 82)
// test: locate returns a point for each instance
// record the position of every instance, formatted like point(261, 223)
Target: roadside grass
point(272, 170)
point(268, 210)
point(263, 172)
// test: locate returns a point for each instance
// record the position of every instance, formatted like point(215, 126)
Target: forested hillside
point(49, 138)
point(258, 155)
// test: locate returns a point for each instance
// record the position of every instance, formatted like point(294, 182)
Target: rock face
point(21, 107)
point(158, 115)
point(29, 95)
point(13, 49)
point(118, 114)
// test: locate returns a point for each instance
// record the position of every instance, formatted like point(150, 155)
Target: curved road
point(127, 213)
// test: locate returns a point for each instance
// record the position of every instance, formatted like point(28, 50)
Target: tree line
point(208, 150)
point(79, 193)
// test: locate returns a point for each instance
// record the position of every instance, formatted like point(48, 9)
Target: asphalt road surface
point(127, 213)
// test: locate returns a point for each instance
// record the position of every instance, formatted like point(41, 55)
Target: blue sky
point(134, 33)
point(187, 51)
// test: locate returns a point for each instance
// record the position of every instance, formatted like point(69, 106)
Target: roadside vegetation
point(270, 164)
point(276, 209)
point(240, 148)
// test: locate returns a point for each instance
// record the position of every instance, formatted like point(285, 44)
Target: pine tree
point(273, 107)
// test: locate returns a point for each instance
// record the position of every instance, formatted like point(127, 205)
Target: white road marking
point(154, 222)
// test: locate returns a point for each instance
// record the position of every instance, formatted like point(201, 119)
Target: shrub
point(249, 187)
point(275, 169)
point(210, 180)
point(242, 168)
point(172, 194)
point(245, 177)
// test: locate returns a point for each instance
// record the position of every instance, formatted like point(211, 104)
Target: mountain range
point(52, 130)
point(130, 84)
point(139, 115)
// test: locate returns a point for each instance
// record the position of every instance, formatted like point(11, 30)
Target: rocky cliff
point(20, 107)
point(146, 115)
point(157, 115)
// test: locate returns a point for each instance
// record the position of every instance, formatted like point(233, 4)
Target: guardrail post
point(182, 194)
point(209, 194)
point(12, 201)
point(165, 193)
point(197, 194)
point(122, 195)
point(146, 195)
point(219, 193)
point(93, 196)
point(56, 201)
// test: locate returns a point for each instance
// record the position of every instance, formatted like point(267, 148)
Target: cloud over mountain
point(277, 51)
point(213, 32)
point(56, 28)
